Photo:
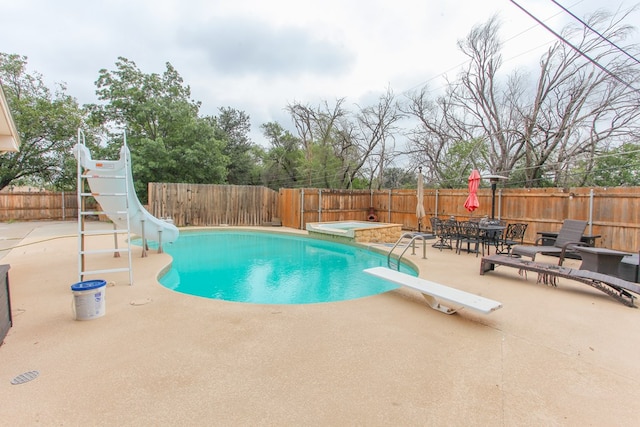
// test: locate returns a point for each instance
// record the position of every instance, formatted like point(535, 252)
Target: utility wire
point(596, 32)
point(319, 179)
point(455, 67)
point(594, 62)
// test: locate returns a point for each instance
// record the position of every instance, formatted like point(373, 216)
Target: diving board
point(433, 292)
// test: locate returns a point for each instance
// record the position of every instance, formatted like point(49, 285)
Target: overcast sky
point(258, 56)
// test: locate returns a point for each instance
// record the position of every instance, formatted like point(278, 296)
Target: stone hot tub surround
point(356, 231)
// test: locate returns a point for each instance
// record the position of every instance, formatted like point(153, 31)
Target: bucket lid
point(87, 285)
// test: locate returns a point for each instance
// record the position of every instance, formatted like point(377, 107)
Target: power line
point(455, 67)
point(316, 178)
point(565, 41)
point(596, 32)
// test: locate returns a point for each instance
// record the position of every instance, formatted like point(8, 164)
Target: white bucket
point(89, 299)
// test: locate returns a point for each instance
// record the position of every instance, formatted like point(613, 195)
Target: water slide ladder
point(406, 241)
point(84, 234)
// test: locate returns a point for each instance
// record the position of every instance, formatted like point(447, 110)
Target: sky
point(260, 56)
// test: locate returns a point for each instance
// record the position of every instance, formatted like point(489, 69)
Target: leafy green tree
point(233, 127)
point(47, 123)
point(258, 155)
point(619, 166)
point(169, 142)
point(359, 183)
point(398, 178)
point(461, 158)
point(323, 168)
point(340, 146)
point(283, 159)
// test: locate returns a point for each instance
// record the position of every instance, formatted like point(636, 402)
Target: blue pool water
point(270, 268)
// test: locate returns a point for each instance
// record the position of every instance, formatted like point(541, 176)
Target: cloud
point(259, 56)
point(242, 46)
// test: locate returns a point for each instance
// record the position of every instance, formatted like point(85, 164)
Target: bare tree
point(317, 131)
point(375, 139)
point(338, 143)
point(534, 130)
point(480, 108)
point(579, 108)
point(436, 141)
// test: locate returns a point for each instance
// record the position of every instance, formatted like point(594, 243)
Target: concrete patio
point(551, 356)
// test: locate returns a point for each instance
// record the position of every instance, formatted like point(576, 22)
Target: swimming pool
point(271, 268)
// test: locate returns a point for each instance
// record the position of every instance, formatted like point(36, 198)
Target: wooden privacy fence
point(32, 206)
point(612, 213)
point(208, 204)
point(186, 204)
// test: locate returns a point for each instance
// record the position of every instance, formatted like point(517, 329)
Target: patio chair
point(492, 231)
point(513, 235)
point(444, 232)
point(469, 233)
point(568, 237)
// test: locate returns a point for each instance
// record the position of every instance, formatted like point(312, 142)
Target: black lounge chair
point(569, 237)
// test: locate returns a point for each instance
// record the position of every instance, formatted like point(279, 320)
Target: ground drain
point(24, 378)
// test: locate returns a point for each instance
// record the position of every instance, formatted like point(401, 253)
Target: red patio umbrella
point(472, 203)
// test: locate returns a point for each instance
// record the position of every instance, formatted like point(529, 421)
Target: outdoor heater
point(493, 179)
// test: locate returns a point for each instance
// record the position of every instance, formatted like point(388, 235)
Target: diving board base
point(435, 292)
point(433, 303)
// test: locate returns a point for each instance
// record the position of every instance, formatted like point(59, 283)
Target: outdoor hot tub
point(356, 231)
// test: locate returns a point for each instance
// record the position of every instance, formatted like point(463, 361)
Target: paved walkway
point(550, 356)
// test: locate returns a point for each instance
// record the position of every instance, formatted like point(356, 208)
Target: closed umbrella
point(472, 203)
point(420, 213)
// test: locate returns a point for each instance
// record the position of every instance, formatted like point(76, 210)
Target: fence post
point(302, 210)
point(591, 211)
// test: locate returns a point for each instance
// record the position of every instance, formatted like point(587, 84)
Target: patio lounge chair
point(568, 237)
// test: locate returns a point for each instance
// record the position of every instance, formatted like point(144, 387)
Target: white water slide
point(111, 185)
